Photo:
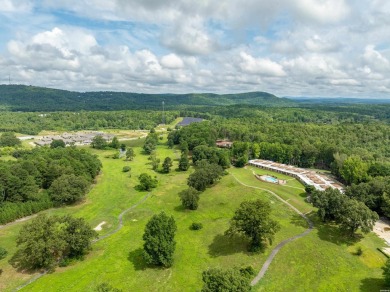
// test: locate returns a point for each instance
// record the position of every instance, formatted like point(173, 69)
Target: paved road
point(270, 258)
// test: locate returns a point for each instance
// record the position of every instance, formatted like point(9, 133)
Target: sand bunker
point(99, 227)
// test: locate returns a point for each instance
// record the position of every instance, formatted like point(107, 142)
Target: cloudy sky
point(287, 47)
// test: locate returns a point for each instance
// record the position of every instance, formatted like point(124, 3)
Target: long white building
point(307, 177)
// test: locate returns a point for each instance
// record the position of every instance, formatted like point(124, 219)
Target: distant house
point(224, 144)
point(187, 121)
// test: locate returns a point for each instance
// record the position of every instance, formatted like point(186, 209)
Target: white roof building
point(307, 177)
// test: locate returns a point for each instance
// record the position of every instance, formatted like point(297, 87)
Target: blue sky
point(328, 48)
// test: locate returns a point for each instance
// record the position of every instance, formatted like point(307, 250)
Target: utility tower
point(163, 113)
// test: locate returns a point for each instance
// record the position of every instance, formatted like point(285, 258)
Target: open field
point(324, 260)
point(321, 261)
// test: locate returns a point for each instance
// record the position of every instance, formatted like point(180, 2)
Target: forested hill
point(31, 98)
point(338, 100)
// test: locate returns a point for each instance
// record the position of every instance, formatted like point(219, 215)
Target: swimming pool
point(270, 179)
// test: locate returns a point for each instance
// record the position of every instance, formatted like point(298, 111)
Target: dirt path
point(120, 225)
point(302, 189)
point(270, 258)
point(19, 220)
point(120, 218)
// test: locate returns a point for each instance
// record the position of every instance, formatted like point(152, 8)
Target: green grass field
point(322, 261)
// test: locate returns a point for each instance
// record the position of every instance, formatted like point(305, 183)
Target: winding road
point(120, 225)
point(270, 258)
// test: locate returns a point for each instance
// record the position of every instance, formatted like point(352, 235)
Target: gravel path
point(18, 220)
point(120, 225)
point(120, 218)
point(283, 243)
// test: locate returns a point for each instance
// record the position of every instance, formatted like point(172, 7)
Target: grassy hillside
point(31, 98)
point(319, 262)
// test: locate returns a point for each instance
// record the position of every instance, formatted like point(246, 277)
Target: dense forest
point(43, 177)
point(32, 123)
point(355, 148)
point(307, 144)
point(352, 141)
point(254, 116)
point(31, 98)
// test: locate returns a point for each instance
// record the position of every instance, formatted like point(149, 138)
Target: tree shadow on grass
point(139, 188)
point(299, 221)
point(180, 208)
point(372, 284)
point(224, 245)
point(136, 258)
point(303, 195)
point(331, 232)
point(16, 261)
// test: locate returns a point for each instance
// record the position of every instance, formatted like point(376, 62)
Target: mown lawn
point(118, 259)
point(322, 261)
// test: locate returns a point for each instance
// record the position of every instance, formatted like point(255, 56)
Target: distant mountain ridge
point(339, 100)
point(32, 98)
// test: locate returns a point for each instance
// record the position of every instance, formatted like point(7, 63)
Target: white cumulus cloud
point(300, 47)
point(172, 61)
point(260, 66)
point(324, 11)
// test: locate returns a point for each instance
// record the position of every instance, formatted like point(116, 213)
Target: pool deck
point(307, 177)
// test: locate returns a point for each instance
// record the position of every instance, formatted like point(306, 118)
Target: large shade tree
point(253, 219)
point(46, 240)
point(160, 244)
point(350, 214)
point(146, 182)
point(189, 198)
point(68, 189)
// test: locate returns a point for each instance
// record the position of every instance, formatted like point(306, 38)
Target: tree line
point(32, 98)
point(44, 177)
point(32, 123)
point(353, 152)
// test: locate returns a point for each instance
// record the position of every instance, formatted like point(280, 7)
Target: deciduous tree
point(349, 213)
point(356, 215)
point(146, 182)
point(354, 170)
point(189, 198)
point(68, 189)
point(130, 154)
point(57, 143)
point(98, 142)
point(184, 162)
point(46, 240)
point(9, 139)
point(253, 219)
point(150, 142)
point(167, 164)
point(204, 175)
point(114, 143)
point(330, 203)
point(160, 244)
point(3, 253)
point(227, 280)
